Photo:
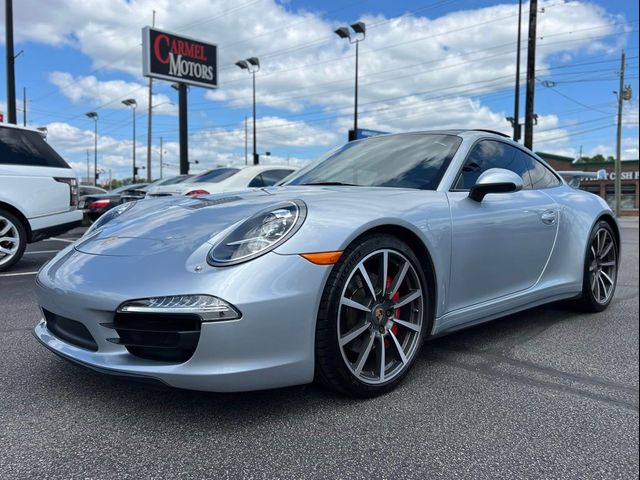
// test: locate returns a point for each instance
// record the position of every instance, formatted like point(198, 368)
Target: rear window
point(23, 147)
point(214, 176)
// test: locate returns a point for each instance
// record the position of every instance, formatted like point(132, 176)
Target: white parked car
point(225, 179)
point(38, 192)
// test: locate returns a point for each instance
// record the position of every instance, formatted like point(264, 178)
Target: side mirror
point(495, 180)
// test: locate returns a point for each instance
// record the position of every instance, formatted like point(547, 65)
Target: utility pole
point(161, 157)
point(246, 141)
point(516, 100)
point(11, 59)
point(150, 117)
point(624, 93)
point(529, 115)
point(24, 106)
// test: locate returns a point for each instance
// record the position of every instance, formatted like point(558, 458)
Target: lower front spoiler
point(270, 373)
point(105, 371)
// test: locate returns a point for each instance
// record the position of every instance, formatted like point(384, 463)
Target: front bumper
point(271, 345)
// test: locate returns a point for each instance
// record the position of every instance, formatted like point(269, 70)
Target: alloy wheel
point(9, 240)
point(602, 266)
point(380, 317)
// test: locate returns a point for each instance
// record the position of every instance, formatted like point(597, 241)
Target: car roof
point(20, 127)
point(476, 132)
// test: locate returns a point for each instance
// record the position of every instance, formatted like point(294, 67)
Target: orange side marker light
point(322, 258)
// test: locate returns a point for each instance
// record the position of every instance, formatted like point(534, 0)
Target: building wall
point(605, 188)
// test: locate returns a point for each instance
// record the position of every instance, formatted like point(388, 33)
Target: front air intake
point(170, 337)
point(70, 331)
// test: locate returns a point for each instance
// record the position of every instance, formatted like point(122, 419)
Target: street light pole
point(256, 160)
point(355, 103)
point(94, 117)
point(252, 65)
point(130, 102)
point(360, 33)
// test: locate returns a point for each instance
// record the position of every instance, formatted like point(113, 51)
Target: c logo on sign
point(156, 48)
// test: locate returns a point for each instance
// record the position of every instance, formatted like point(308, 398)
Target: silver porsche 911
point(338, 275)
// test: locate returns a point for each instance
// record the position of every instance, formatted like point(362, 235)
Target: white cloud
point(109, 93)
point(210, 147)
point(416, 71)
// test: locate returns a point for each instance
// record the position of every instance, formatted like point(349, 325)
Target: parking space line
point(41, 251)
point(16, 274)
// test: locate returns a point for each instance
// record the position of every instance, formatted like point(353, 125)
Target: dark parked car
point(95, 205)
point(84, 190)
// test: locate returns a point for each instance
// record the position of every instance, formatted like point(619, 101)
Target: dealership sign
point(611, 175)
point(179, 59)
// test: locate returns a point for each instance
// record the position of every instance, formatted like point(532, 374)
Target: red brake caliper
point(394, 327)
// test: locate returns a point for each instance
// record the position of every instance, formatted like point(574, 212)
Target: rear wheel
point(373, 317)
point(13, 239)
point(600, 269)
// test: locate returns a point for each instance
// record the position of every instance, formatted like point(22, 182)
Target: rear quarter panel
point(33, 191)
point(579, 210)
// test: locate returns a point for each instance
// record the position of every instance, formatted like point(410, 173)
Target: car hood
point(186, 224)
point(175, 189)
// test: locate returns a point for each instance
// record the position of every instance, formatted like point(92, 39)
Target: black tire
point(18, 227)
point(588, 301)
point(330, 366)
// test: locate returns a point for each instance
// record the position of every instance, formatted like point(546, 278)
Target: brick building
point(604, 188)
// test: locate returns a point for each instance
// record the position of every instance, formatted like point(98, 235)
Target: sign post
point(185, 61)
point(359, 133)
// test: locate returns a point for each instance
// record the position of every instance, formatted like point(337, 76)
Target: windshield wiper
point(332, 183)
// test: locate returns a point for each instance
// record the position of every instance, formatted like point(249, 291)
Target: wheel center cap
point(378, 314)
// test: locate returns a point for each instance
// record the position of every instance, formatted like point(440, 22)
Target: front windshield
point(401, 161)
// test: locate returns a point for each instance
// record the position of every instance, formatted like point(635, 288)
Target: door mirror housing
point(495, 180)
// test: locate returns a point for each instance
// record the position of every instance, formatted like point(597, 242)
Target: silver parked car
point(339, 275)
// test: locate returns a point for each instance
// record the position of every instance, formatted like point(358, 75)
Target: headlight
point(209, 308)
point(107, 217)
point(259, 234)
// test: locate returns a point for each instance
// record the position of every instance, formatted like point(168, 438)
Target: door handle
point(548, 217)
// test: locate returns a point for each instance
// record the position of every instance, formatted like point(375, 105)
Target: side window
point(539, 175)
point(257, 181)
point(488, 154)
point(271, 177)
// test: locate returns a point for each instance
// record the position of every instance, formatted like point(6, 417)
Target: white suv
point(38, 192)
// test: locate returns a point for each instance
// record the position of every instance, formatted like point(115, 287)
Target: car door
point(500, 245)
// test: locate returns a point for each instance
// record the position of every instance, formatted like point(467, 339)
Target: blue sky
point(424, 64)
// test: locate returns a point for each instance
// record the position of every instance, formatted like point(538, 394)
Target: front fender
point(334, 224)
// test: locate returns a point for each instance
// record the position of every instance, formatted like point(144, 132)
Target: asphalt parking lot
point(544, 394)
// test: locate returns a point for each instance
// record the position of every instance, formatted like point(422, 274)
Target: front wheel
point(13, 240)
point(373, 317)
point(600, 269)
